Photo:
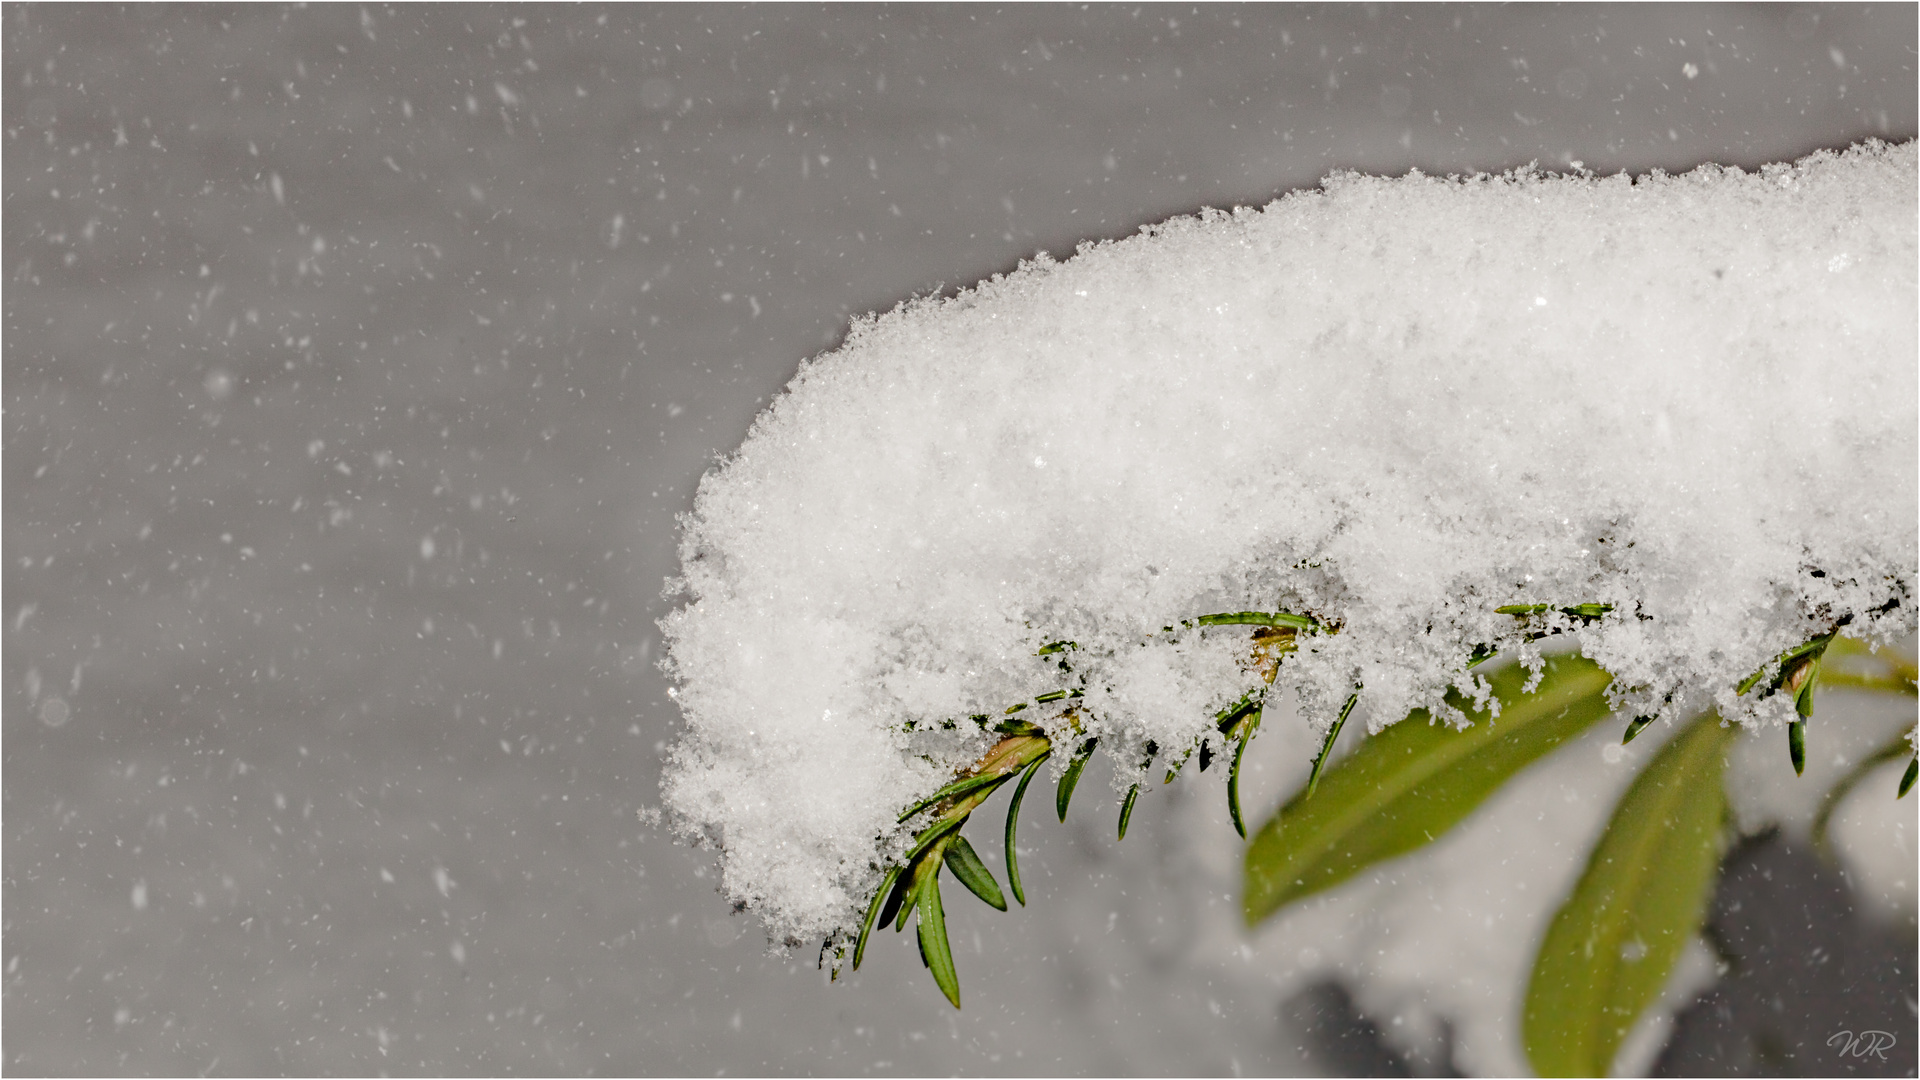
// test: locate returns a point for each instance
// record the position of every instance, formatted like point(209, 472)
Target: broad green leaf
point(1892, 750)
point(1013, 824)
point(1850, 662)
point(1892, 683)
point(1072, 777)
point(1613, 943)
point(1404, 787)
point(933, 938)
point(971, 872)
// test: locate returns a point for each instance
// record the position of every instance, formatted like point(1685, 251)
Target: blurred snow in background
point(358, 360)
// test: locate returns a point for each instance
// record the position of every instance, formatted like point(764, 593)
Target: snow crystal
point(1390, 404)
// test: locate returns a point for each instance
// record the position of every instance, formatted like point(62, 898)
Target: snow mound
point(1390, 404)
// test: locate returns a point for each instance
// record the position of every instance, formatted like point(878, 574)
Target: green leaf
point(933, 939)
point(1586, 612)
point(1246, 727)
point(1013, 823)
point(1797, 746)
point(1850, 662)
point(887, 895)
point(1126, 805)
point(964, 786)
point(1789, 662)
point(1404, 787)
point(1834, 679)
point(1326, 748)
point(1635, 727)
point(1907, 778)
point(1891, 750)
point(933, 834)
point(897, 896)
point(1179, 763)
point(1259, 618)
point(1072, 778)
point(1235, 714)
point(971, 872)
point(1237, 722)
point(909, 889)
point(1613, 943)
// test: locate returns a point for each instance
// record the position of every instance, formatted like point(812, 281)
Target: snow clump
point(1390, 404)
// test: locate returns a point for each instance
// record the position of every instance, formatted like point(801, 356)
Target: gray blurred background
point(358, 360)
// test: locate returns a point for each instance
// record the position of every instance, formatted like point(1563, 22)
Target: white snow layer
point(1390, 404)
